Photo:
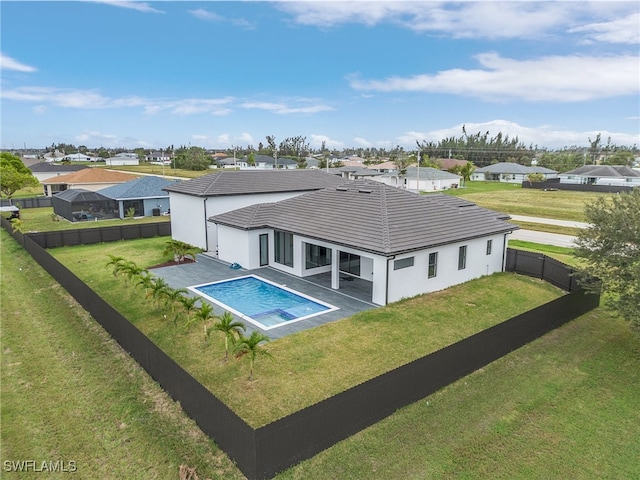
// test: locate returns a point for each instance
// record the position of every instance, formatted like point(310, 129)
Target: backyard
point(564, 406)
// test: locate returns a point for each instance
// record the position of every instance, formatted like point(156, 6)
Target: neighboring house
point(510, 172)
point(423, 179)
point(55, 156)
point(44, 170)
point(403, 243)
point(92, 179)
point(602, 175)
point(261, 162)
point(159, 157)
point(80, 157)
point(145, 195)
point(123, 159)
point(194, 201)
point(353, 173)
point(83, 205)
point(449, 163)
point(384, 167)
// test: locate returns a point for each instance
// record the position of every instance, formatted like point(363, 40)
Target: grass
point(158, 170)
point(563, 254)
point(317, 363)
point(70, 393)
point(40, 220)
point(544, 227)
point(515, 200)
point(565, 406)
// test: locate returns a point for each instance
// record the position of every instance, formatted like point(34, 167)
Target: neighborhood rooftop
point(247, 182)
point(91, 175)
point(372, 217)
point(143, 187)
point(512, 168)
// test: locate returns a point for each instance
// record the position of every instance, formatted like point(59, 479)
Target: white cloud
point(143, 7)
point(316, 142)
point(245, 138)
point(284, 109)
point(554, 78)
point(8, 63)
point(208, 16)
point(471, 19)
point(96, 138)
point(621, 30)
point(224, 139)
point(362, 142)
point(549, 136)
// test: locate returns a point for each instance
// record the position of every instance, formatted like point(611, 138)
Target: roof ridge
point(386, 237)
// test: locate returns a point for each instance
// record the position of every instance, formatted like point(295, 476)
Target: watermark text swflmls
point(48, 466)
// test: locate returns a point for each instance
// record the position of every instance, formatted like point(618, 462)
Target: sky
point(352, 74)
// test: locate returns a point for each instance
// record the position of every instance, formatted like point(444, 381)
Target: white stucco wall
point(188, 221)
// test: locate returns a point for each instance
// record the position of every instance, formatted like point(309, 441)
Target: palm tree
point(251, 346)
point(189, 305)
point(171, 296)
point(116, 262)
point(145, 280)
point(130, 269)
point(230, 328)
point(204, 314)
point(158, 287)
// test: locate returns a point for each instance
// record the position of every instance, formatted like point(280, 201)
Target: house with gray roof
point(46, 170)
point(145, 195)
point(194, 201)
point(423, 179)
point(261, 162)
point(510, 172)
point(402, 243)
point(618, 175)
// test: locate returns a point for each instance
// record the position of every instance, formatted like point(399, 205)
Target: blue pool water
point(264, 303)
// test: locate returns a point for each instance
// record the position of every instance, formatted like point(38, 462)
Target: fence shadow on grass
point(263, 452)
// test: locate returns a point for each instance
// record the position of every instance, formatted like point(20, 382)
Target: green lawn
point(41, 220)
point(515, 200)
point(565, 406)
point(317, 363)
point(69, 393)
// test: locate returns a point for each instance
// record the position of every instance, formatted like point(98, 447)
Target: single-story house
point(92, 179)
point(82, 205)
point(405, 244)
point(261, 162)
point(510, 172)
point(46, 170)
point(618, 175)
point(354, 173)
point(123, 159)
point(80, 157)
point(194, 201)
point(159, 157)
point(423, 179)
point(145, 195)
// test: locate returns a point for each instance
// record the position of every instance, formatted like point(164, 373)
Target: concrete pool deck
point(350, 299)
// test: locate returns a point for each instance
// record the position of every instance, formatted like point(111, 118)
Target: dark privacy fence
point(88, 236)
point(32, 202)
point(541, 266)
point(263, 452)
point(576, 187)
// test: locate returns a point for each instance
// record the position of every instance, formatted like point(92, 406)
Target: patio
point(354, 294)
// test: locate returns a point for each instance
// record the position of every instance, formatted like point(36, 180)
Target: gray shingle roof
point(512, 168)
point(244, 182)
point(143, 187)
point(426, 173)
point(80, 195)
point(373, 217)
point(617, 171)
point(45, 167)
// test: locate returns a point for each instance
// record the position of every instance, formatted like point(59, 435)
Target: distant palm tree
point(229, 327)
point(251, 346)
point(204, 314)
point(116, 262)
point(189, 305)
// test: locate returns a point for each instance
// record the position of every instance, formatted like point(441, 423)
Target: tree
point(535, 177)
point(610, 251)
point(179, 250)
point(251, 346)
point(229, 327)
point(193, 158)
point(204, 314)
point(401, 163)
point(14, 175)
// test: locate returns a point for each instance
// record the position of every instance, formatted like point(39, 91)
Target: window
point(283, 248)
point(264, 249)
point(489, 246)
point(403, 263)
point(433, 264)
point(316, 256)
point(350, 263)
point(462, 257)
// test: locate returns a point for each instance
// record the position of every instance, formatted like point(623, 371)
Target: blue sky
point(352, 74)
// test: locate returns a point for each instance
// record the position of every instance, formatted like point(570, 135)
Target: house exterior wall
point(189, 218)
point(592, 179)
point(121, 161)
point(389, 284)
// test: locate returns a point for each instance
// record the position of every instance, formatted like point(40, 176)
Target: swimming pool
point(261, 302)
